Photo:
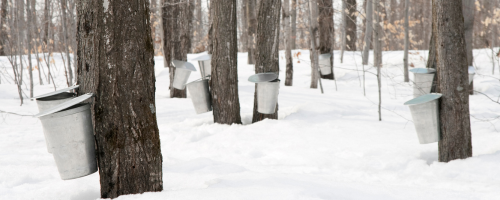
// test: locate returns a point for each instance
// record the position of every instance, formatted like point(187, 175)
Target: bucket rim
point(56, 92)
point(423, 99)
point(263, 77)
point(64, 105)
point(68, 111)
point(204, 57)
point(197, 80)
point(178, 64)
point(324, 56)
point(471, 70)
point(55, 97)
point(423, 71)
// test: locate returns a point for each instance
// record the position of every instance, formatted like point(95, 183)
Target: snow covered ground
point(324, 146)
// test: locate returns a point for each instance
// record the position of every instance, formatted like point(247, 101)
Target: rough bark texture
point(116, 63)
point(455, 140)
point(325, 20)
point(252, 28)
point(314, 39)
point(224, 84)
point(288, 43)
point(350, 26)
point(65, 40)
point(266, 54)
point(3, 32)
point(469, 9)
point(368, 31)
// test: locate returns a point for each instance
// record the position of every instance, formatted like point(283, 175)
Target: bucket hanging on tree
point(200, 95)
point(423, 80)
point(70, 134)
point(425, 113)
point(268, 86)
point(182, 71)
point(49, 100)
point(325, 64)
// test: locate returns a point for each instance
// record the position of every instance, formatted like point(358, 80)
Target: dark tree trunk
point(3, 32)
point(267, 55)
point(29, 43)
point(288, 43)
point(455, 140)
point(244, 26)
point(432, 58)
point(325, 29)
point(350, 26)
point(116, 63)
point(224, 84)
point(252, 28)
point(469, 9)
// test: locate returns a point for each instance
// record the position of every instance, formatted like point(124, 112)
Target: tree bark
point(377, 51)
point(65, 40)
point(455, 140)
point(244, 26)
point(252, 28)
point(224, 84)
point(350, 26)
point(469, 9)
point(294, 24)
point(3, 32)
point(313, 29)
point(29, 44)
point(288, 43)
point(407, 40)
point(326, 31)
point(267, 54)
point(116, 63)
point(368, 32)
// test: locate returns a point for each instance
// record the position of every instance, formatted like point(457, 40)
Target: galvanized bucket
point(205, 64)
point(425, 113)
point(472, 72)
point(200, 96)
point(69, 128)
point(267, 96)
point(52, 99)
point(268, 86)
point(182, 72)
point(423, 79)
point(325, 64)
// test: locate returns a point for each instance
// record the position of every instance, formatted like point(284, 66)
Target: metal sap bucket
point(52, 99)
point(205, 64)
point(425, 113)
point(472, 72)
point(268, 86)
point(423, 81)
point(70, 133)
point(325, 66)
point(182, 71)
point(200, 96)
point(46, 101)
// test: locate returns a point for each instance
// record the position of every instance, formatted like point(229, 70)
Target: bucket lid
point(183, 65)
point(263, 77)
point(56, 92)
point(472, 70)
point(324, 56)
point(64, 105)
point(423, 70)
point(203, 57)
point(423, 99)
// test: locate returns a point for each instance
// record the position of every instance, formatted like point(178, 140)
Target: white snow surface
point(323, 146)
